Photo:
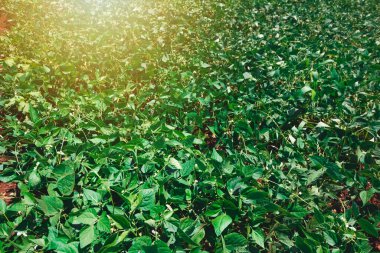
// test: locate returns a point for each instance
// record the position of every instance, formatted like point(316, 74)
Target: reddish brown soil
point(4, 22)
point(4, 25)
point(4, 159)
point(375, 242)
point(8, 192)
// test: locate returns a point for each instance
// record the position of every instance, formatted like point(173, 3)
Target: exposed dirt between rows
point(5, 24)
point(8, 191)
point(4, 159)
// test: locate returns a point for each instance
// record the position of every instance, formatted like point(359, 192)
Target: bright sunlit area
point(189, 126)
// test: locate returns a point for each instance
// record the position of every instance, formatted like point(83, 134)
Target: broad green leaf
point(160, 246)
point(87, 236)
point(66, 184)
point(97, 141)
point(144, 245)
point(3, 207)
point(304, 246)
point(92, 196)
point(33, 114)
point(216, 157)
point(148, 199)
point(258, 237)
point(314, 175)
point(104, 224)
point(331, 168)
point(257, 173)
point(247, 75)
point(87, 218)
point(298, 211)
point(322, 125)
point(330, 237)
point(175, 163)
point(283, 238)
point(68, 248)
point(214, 209)
point(34, 179)
point(235, 240)
point(251, 194)
point(368, 227)
point(205, 65)
point(319, 216)
point(50, 205)
point(140, 244)
point(121, 220)
point(220, 223)
point(365, 196)
point(10, 62)
point(187, 168)
point(186, 237)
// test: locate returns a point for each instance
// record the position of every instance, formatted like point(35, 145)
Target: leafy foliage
point(191, 126)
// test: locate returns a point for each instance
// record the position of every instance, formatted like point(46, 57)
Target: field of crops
point(190, 126)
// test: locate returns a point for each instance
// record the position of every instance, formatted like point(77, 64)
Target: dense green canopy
point(191, 126)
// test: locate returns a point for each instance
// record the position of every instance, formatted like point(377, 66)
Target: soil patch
point(4, 22)
point(8, 192)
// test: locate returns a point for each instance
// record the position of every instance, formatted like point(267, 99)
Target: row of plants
point(191, 126)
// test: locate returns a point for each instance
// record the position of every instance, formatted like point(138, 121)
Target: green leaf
point(283, 238)
point(87, 218)
point(97, 141)
point(144, 245)
point(121, 220)
point(33, 114)
point(66, 184)
point(3, 207)
point(251, 194)
point(186, 237)
point(92, 196)
point(331, 168)
point(367, 227)
point(319, 216)
point(314, 175)
point(104, 224)
point(258, 237)
point(216, 157)
point(139, 243)
point(365, 196)
point(330, 237)
point(10, 62)
point(175, 163)
point(304, 246)
point(235, 240)
point(161, 247)
point(220, 223)
point(205, 65)
point(50, 205)
point(148, 199)
point(322, 125)
point(214, 209)
point(298, 211)
point(87, 236)
point(34, 179)
point(187, 168)
point(247, 75)
point(257, 173)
